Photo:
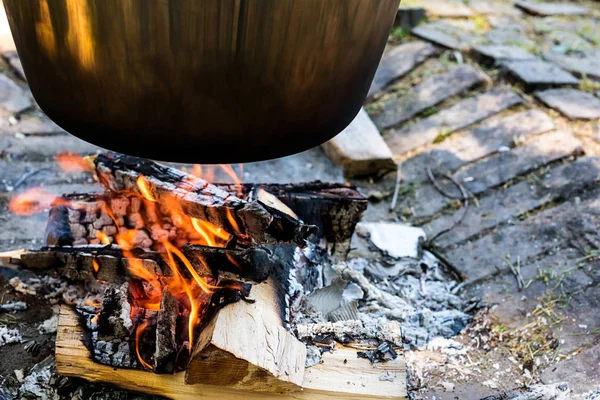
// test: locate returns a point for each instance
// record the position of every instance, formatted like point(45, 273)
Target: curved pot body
point(203, 81)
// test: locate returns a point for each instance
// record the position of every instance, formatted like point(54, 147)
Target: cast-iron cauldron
point(202, 81)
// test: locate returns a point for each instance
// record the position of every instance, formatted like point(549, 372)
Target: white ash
point(346, 331)
point(49, 326)
point(313, 355)
point(13, 306)
point(420, 297)
point(8, 335)
point(556, 391)
point(39, 384)
point(595, 395)
point(54, 290)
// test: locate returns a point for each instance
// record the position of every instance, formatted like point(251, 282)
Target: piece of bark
point(165, 355)
point(360, 149)
point(325, 381)
point(199, 199)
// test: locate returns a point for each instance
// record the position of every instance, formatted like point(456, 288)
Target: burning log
point(109, 263)
point(332, 207)
point(249, 222)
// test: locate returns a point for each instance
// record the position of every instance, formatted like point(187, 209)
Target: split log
point(247, 347)
point(325, 381)
point(108, 263)
point(253, 221)
point(334, 208)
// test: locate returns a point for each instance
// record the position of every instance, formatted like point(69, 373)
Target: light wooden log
point(341, 375)
point(247, 347)
point(360, 149)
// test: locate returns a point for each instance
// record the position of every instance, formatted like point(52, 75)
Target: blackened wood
point(199, 199)
point(165, 355)
point(335, 208)
point(109, 263)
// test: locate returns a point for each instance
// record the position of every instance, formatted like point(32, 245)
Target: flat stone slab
point(425, 201)
point(487, 7)
point(462, 114)
point(503, 206)
point(428, 94)
point(475, 144)
point(447, 35)
point(399, 61)
point(446, 9)
point(548, 9)
point(506, 165)
point(497, 54)
point(550, 230)
point(12, 58)
point(573, 103)
point(12, 97)
point(536, 74)
point(579, 66)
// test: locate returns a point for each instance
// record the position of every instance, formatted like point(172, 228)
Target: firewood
point(247, 347)
point(253, 221)
point(325, 381)
point(108, 263)
point(360, 149)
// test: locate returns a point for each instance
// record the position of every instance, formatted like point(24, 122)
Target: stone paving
point(489, 109)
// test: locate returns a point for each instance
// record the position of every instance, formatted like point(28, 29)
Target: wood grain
point(355, 379)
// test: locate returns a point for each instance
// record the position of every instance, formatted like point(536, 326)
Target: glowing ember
point(34, 201)
point(142, 184)
point(95, 265)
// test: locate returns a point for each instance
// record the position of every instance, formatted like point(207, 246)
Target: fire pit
point(193, 287)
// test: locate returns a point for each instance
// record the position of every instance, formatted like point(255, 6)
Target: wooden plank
point(462, 114)
point(341, 375)
point(399, 61)
point(360, 149)
point(505, 205)
point(427, 94)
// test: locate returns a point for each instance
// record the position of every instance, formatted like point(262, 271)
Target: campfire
point(184, 275)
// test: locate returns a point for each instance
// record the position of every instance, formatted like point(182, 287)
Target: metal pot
point(204, 81)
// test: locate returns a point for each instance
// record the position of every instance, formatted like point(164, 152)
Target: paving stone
point(446, 9)
point(506, 165)
point(462, 114)
point(496, 54)
point(41, 148)
point(399, 61)
point(573, 103)
point(447, 35)
point(408, 17)
point(425, 201)
point(12, 58)
point(12, 97)
point(581, 371)
point(513, 35)
point(548, 9)
point(502, 206)
point(428, 94)
point(548, 231)
point(540, 74)
point(476, 144)
point(486, 7)
point(578, 65)
point(564, 41)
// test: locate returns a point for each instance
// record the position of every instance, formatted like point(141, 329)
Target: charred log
point(249, 221)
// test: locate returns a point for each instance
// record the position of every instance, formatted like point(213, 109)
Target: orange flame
point(144, 187)
point(209, 232)
point(95, 319)
point(72, 163)
point(138, 333)
point(34, 201)
point(103, 238)
point(95, 265)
